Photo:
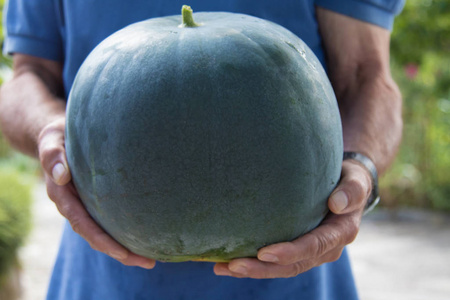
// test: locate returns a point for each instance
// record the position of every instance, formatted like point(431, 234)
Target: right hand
point(62, 192)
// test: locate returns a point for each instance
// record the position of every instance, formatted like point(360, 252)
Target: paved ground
point(403, 256)
point(397, 256)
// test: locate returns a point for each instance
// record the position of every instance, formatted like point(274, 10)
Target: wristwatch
point(374, 197)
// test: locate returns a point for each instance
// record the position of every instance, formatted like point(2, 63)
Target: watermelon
point(205, 139)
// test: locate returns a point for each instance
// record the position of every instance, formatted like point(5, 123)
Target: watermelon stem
point(188, 19)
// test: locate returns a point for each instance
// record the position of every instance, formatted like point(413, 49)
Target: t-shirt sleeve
point(32, 27)
point(378, 12)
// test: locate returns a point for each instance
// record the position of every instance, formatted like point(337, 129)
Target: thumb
point(52, 153)
point(353, 190)
point(60, 173)
point(54, 163)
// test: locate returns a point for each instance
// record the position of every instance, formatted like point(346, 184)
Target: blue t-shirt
point(66, 31)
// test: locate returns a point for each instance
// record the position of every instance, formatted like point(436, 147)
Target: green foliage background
point(5, 62)
point(421, 41)
point(16, 181)
point(15, 215)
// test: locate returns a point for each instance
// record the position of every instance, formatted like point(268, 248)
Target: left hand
point(62, 192)
point(321, 245)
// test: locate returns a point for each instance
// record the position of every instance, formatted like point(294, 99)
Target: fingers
point(353, 189)
point(292, 258)
point(247, 267)
point(68, 204)
point(321, 245)
point(335, 232)
point(52, 153)
point(61, 190)
point(253, 268)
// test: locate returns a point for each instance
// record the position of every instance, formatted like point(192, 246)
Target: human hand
point(62, 192)
point(321, 245)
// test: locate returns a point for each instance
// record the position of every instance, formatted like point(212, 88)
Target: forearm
point(371, 118)
point(28, 103)
point(369, 100)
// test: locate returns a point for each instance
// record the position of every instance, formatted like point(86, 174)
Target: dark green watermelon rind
point(260, 134)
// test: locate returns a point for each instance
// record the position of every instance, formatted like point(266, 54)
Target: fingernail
point(117, 255)
point(240, 269)
point(268, 257)
point(58, 172)
point(148, 265)
point(223, 272)
point(340, 200)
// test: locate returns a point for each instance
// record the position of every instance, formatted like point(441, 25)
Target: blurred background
point(403, 250)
